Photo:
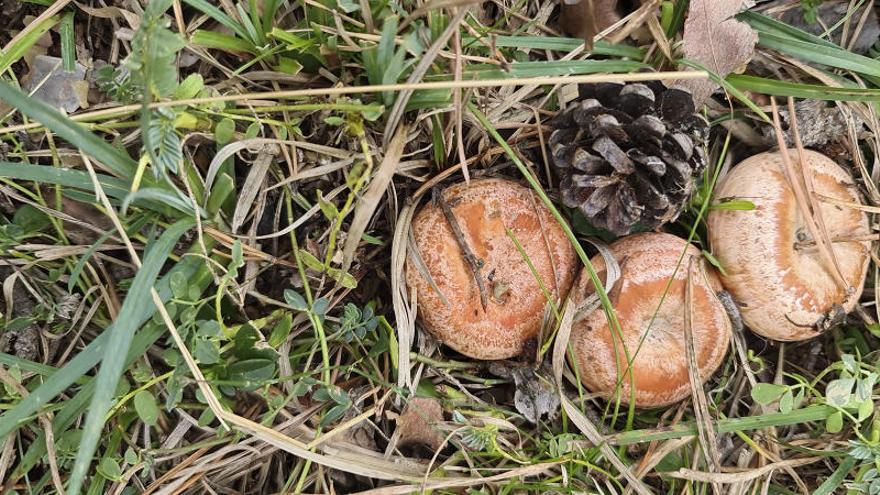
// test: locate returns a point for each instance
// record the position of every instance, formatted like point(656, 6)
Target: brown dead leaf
point(418, 427)
point(716, 40)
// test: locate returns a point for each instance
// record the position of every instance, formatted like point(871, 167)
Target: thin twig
point(475, 263)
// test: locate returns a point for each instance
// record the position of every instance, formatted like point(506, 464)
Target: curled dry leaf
point(716, 40)
point(418, 427)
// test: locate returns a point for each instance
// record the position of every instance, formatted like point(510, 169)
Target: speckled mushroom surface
point(660, 372)
point(785, 287)
point(484, 210)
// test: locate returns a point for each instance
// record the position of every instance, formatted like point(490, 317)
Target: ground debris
point(48, 81)
point(417, 427)
point(535, 395)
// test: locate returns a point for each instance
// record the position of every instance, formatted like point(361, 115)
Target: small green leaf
point(110, 469)
point(344, 279)
point(334, 413)
point(30, 219)
point(190, 87)
point(288, 66)
point(206, 418)
point(179, 285)
point(369, 239)
point(209, 328)
point(765, 393)
point(146, 407)
point(849, 363)
point(838, 391)
point(327, 208)
point(834, 422)
point(348, 6)
point(130, 457)
point(786, 402)
point(295, 300)
point(714, 261)
point(866, 408)
point(206, 351)
point(320, 307)
point(224, 131)
point(253, 130)
point(281, 330)
point(311, 261)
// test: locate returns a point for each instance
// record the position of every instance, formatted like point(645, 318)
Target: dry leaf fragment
point(716, 40)
point(419, 433)
point(535, 396)
point(51, 83)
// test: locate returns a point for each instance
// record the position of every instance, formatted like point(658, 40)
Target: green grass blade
point(562, 44)
point(221, 41)
point(196, 271)
point(44, 174)
point(21, 47)
point(813, 91)
point(769, 25)
point(116, 160)
point(219, 16)
point(551, 69)
point(114, 356)
point(86, 359)
point(787, 39)
point(68, 48)
point(26, 364)
point(728, 425)
point(819, 54)
point(832, 484)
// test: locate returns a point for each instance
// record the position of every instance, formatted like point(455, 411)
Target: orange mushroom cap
point(660, 370)
point(786, 287)
point(484, 210)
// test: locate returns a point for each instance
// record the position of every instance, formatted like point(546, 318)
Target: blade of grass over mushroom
point(113, 359)
point(115, 159)
point(774, 87)
point(191, 267)
point(484, 121)
point(614, 324)
point(535, 273)
point(585, 260)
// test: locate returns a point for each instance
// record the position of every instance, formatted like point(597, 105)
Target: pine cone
point(628, 154)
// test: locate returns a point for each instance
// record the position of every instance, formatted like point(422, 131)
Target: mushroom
point(786, 287)
point(462, 237)
point(652, 322)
